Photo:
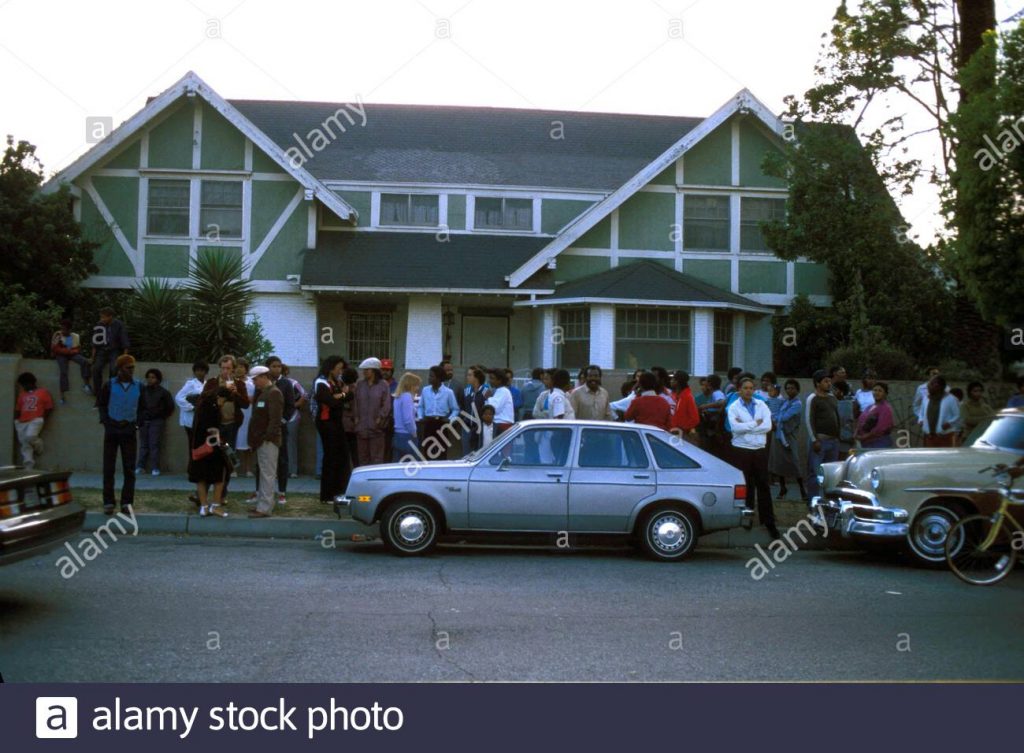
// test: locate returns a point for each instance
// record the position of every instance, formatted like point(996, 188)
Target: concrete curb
point(270, 528)
point(310, 528)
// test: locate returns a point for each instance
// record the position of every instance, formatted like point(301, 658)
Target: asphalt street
point(215, 609)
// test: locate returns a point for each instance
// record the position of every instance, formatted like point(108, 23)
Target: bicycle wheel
point(968, 556)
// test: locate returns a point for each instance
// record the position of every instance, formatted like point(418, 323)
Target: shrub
point(888, 361)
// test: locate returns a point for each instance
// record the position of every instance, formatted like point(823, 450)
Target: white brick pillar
point(289, 322)
point(602, 335)
point(547, 337)
point(739, 340)
point(424, 332)
point(703, 342)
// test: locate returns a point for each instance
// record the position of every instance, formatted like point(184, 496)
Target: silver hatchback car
point(556, 477)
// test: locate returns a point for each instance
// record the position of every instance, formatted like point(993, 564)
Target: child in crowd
point(486, 433)
point(33, 408)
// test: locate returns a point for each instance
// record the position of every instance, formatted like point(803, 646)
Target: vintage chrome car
point(556, 477)
point(37, 512)
point(892, 496)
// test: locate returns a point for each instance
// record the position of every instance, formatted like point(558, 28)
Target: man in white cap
point(265, 437)
point(371, 412)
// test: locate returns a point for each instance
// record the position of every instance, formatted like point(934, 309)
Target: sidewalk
point(788, 511)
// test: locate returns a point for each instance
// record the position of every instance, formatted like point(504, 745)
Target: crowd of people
point(243, 420)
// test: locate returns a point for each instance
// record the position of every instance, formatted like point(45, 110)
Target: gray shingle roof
point(388, 260)
point(474, 145)
point(646, 280)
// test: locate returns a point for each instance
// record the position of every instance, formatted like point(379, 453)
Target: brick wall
point(289, 322)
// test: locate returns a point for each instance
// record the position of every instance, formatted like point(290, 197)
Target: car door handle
point(554, 475)
point(641, 475)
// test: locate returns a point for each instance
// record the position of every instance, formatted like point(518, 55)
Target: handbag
point(230, 456)
point(202, 451)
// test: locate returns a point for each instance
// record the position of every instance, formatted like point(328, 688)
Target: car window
point(667, 456)
point(612, 448)
point(542, 446)
point(1006, 432)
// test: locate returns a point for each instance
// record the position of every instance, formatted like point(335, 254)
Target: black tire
point(410, 528)
point(669, 533)
point(931, 525)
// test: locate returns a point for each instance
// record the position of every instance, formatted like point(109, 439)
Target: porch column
point(424, 332)
point(739, 340)
point(547, 337)
point(703, 342)
point(602, 335)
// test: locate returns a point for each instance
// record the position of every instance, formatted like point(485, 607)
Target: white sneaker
point(154, 472)
point(252, 500)
point(280, 499)
point(140, 471)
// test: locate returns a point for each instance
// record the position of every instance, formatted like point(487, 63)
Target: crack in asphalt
point(441, 654)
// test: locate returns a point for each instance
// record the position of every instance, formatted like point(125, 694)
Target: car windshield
point(1005, 432)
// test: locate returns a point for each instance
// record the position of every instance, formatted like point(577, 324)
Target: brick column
point(424, 332)
point(547, 337)
point(602, 335)
point(739, 340)
point(703, 342)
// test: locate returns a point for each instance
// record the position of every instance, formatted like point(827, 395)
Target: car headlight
point(876, 479)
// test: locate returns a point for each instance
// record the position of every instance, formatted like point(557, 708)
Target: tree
point(839, 214)
point(43, 250)
point(218, 302)
point(157, 314)
point(988, 179)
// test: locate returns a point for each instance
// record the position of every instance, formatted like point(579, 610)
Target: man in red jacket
point(685, 418)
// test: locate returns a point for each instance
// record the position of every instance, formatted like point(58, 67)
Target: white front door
point(485, 341)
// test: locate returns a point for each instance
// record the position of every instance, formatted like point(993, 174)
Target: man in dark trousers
point(823, 423)
point(287, 390)
point(265, 437)
point(157, 406)
point(109, 340)
point(119, 401)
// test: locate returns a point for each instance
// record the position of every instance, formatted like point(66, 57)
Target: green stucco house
point(501, 236)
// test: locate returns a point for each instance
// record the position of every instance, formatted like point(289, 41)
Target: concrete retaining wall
point(73, 433)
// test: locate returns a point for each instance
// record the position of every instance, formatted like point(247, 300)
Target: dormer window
point(409, 209)
point(494, 213)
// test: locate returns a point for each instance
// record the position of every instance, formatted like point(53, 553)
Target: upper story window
point(503, 214)
point(754, 212)
point(706, 222)
point(409, 209)
point(220, 211)
point(168, 208)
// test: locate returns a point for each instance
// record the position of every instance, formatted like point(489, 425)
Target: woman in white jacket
point(751, 420)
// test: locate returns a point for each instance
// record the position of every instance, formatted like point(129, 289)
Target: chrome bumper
point(342, 504)
point(857, 514)
point(747, 518)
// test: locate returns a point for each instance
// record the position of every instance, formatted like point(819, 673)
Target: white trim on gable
point(133, 254)
point(743, 102)
point(191, 85)
point(257, 254)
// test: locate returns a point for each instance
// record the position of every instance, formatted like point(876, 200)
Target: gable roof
point(190, 85)
point(743, 102)
point(475, 145)
point(646, 283)
point(418, 262)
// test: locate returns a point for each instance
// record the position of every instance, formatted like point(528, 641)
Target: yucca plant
point(218, 299)
point(156, 312)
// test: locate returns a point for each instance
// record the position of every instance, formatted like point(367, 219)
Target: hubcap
point(411, 528)
point(668, 533)
point(930, 532)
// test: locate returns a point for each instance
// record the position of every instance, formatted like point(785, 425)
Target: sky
point(65, 60)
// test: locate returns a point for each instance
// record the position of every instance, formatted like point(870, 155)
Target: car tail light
point(9, 510)
point(59, 492)
point(8, 495)
point(740, 493)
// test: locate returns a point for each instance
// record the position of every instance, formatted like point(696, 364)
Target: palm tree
point(156, 312)
point(218, 301)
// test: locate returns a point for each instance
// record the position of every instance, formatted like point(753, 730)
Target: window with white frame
point(409, 209)
point(168, 208)
point(220, 209)
point(492, 213)
point(573, 338)
point(722, 357)
point(754, 212)
point(369, 335)
point(706, 222)
point(649, 336)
